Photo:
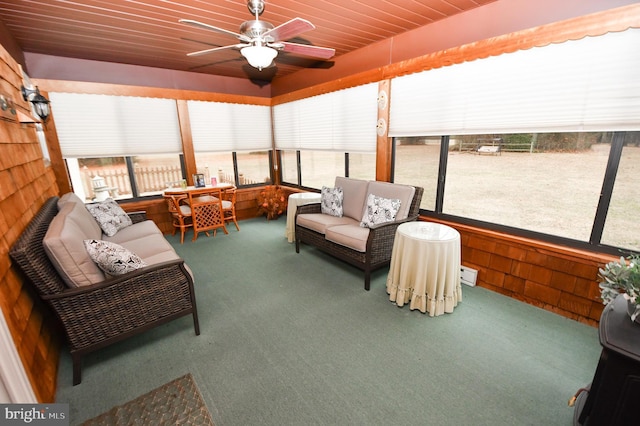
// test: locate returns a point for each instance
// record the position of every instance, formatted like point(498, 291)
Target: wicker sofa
point(101, 309)
point(342, 235)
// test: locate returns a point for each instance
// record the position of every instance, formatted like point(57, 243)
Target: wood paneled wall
point(556, 278)
point(25, 183)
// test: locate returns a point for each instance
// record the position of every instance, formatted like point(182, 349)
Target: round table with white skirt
point(425, 268)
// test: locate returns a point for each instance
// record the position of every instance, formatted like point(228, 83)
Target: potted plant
point(272, 202)
point(622, 276)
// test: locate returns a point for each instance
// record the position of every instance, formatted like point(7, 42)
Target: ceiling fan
point(261, 41)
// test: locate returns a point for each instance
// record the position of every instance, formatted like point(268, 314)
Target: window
point(218, 165)
point(254, 168)
point(154, 173)
point(545, 117)
point(289, 166)
point(622, 228)
point(333, 134)
point(416, 163)
point(553, 190)
point(97, 178)
point(549, 183)
point(232, 141)
point(320, 168)
point(118, 146)
point(362, 165)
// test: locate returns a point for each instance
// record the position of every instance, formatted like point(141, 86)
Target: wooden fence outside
point(150, 180)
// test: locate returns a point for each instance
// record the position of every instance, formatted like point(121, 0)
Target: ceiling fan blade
point(212, 28)
point(289, 29)
point(307, 50)
point(214, 49)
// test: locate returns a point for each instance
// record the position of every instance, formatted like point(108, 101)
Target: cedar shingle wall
point(558, 279)
point(25, 183)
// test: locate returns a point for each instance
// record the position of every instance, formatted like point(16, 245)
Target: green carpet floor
point(294, 339)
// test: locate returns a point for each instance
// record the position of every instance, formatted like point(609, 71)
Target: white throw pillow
point(379, 210)
point(112, 258)
point(110, 216)
point(331, 201)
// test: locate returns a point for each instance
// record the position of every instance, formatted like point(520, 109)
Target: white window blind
point(344, 120)
point(589, 84)
point(219, 126)
point(108, 126)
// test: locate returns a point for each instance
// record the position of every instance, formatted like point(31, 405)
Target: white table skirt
point(296, 200)
point(425, 268)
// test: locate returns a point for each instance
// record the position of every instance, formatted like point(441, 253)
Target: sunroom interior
point(555, 87)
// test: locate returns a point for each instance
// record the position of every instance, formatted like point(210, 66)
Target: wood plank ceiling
point(147, 32)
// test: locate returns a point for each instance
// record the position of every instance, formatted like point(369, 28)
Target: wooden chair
point(229, 206)
point(180, 213)
point(206, 208)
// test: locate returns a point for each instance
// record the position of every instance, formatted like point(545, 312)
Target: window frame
point(135, 193)
point(298, 184)
point(594, 244)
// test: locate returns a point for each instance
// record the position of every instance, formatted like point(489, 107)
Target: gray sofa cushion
point(82, 216)
point(319, 222)
point(352, 236)
point(69, 197)
point(149, 246)
point(346, 230)
point(153, 248)
point(404, 193)
point(134, 232)
point(354, 195)
point(64, 244)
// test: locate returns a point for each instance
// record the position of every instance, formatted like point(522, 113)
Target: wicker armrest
point(116, 281)
point(381, 238)
point(139, 216)
point(381, 227)
point(94, 313)
point(308, 208)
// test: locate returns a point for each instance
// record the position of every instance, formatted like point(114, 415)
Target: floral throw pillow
point(379, 210)
point(110, 216)
point(331, 201)
point(112, 258)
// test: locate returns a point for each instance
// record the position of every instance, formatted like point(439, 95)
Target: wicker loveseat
point(368, 248)
point(111, 308)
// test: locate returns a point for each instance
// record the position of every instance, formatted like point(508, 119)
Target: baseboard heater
point(468, 276)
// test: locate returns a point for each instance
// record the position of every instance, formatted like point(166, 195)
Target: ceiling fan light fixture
point(259, 56)
point(260, 41)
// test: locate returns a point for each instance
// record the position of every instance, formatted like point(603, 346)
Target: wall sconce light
point(6, 104)
point(40, 103)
